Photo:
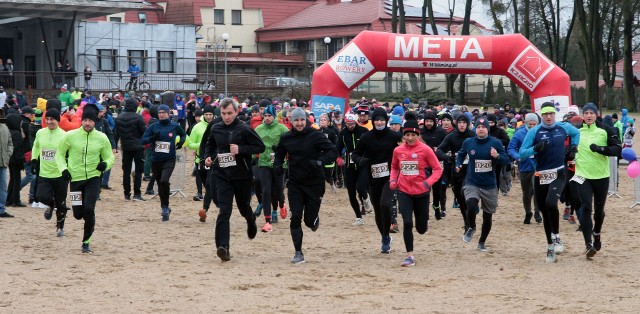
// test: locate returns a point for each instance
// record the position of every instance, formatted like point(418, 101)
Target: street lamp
point(225, 37)
point(327, 40)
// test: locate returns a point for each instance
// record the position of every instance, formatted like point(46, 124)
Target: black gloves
point(571, 153)
point(35, 166)
point(596, 148)
point(539, 147)
point(179, 145)
point(102, 166)
point(363, 162)
point(66, 175)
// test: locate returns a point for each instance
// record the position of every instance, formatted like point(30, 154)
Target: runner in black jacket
point(448, 150)
point(228, 151)
point(308, 152)
point(433, 135)
point(375, 150)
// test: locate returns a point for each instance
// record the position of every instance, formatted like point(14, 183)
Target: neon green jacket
point(270, 135)
point(66, 99)
point(44, 148)
point(196, 137)
point(618, 126)
point(86, 150)
point(592, 165)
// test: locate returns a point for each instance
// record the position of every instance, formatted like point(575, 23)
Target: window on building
point(58, 55)
point(142, 17)
point(236, 17)
point(116, 19)
point(218, 16)
point(236, 49)
point(139, 56)
point(165, 61)
point(107, 60)
point(277, 46)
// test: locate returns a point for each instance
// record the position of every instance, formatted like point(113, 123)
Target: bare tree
point(628, 12)
point(465, 31)
point(589, 22)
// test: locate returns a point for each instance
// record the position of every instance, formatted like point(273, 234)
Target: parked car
point(281, 81)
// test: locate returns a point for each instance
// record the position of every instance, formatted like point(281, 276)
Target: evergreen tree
point(501, 93)
point(490, 94)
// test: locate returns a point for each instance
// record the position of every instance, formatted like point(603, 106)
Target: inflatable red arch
point(510, 55)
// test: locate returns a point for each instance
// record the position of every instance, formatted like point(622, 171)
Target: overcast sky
point(479, 12)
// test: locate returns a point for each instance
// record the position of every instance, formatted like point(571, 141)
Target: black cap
point(411, 126)
point(53, 113)
point(379, 112)
point(90, 112)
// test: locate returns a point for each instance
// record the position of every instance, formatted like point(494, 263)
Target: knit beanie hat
point(53, 113)
point(411, 126)
point(531, 117)
point(90, 112)
point(208, 109)
point(379, 113)
point(270, 109)
point(590, 106)
point(482, 121)
point(164, 108)
point(37, 115)
point(298, 114)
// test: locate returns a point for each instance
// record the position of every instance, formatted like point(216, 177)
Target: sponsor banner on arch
point(351, 65)
point(324, 104)
point(440, 53)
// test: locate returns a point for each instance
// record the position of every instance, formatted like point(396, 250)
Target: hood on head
point(130, 104)
point(13, 121)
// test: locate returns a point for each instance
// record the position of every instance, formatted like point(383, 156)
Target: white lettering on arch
point(409, 50)
point(472, 46)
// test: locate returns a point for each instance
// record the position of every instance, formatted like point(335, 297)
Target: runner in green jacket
point(82, 156)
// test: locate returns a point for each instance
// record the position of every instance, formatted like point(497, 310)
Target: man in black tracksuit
point(355, 177)
point(228, 151)
point(129, 130)
point(375, 151)
point(433, 135)
point(309, 151)
point(501, 135)
point(448, 150)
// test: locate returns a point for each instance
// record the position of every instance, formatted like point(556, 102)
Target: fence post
point(613, 177)
point(636, 192)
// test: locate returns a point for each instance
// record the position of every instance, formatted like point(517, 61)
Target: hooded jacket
point(162, 137)
point(270, 135)
point(347, 141)
point(13, 123)
point(6, 145)
point(179, 106)
point(624, 119)
point(377, 146)
point(129, 128)
point(525, 165)
point(450, 146)
point(413, 180)
point(308, 151)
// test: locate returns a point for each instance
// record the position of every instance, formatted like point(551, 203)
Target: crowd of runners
point(390, 158)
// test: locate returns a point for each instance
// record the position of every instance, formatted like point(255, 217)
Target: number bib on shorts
point(48, 154)
point(163, 147)
point(76, 198)
point(380, 170)
point(483, 165)
point(548, 176)
point(226, 160)
point(409, 168)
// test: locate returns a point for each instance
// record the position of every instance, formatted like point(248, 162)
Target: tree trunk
point(590, 44)
point(627, 72)
point(388, 78)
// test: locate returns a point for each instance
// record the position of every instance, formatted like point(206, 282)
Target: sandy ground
point(141, 264)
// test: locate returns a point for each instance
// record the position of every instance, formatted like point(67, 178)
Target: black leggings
point(128, 157)
point(257, 185)
point(53, 193)
point(90, 189)
point(417, 205)
point(487, 218)
point(355, 181)
point(13, 190)
point(381, 197)
point(547, 196)
point(162, 171)
point(457, 182)
point(329, 176)
point(304, 203)
point(227, 190)
point(592, 190)
point(209, 193)
point(272, 190)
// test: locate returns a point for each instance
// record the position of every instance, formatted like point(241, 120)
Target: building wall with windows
point(229, 17)
point(109, 47)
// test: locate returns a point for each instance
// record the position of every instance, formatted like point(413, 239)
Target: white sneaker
point(558, 246)
point(43, 206)
point(35, 205)
point(551, 254)
point(358, 222)
point(333, 188)
point(367, 205)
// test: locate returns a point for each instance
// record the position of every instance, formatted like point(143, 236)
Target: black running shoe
point(596, 242)
point(527, 218)
point(86, 248)
point(252, 229)
point(223, 254)
point(48, 213)
point(590, 251)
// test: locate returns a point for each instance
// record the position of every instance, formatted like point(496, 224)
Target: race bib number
point(578, 179)
point(409, 168)
point(548, 176)
point(226, 160)
point(380, 170)
point(483, 165)
point(76, 198)
point(179, 107)
point(48, 154)
point(273, 157)
point(163, 147)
